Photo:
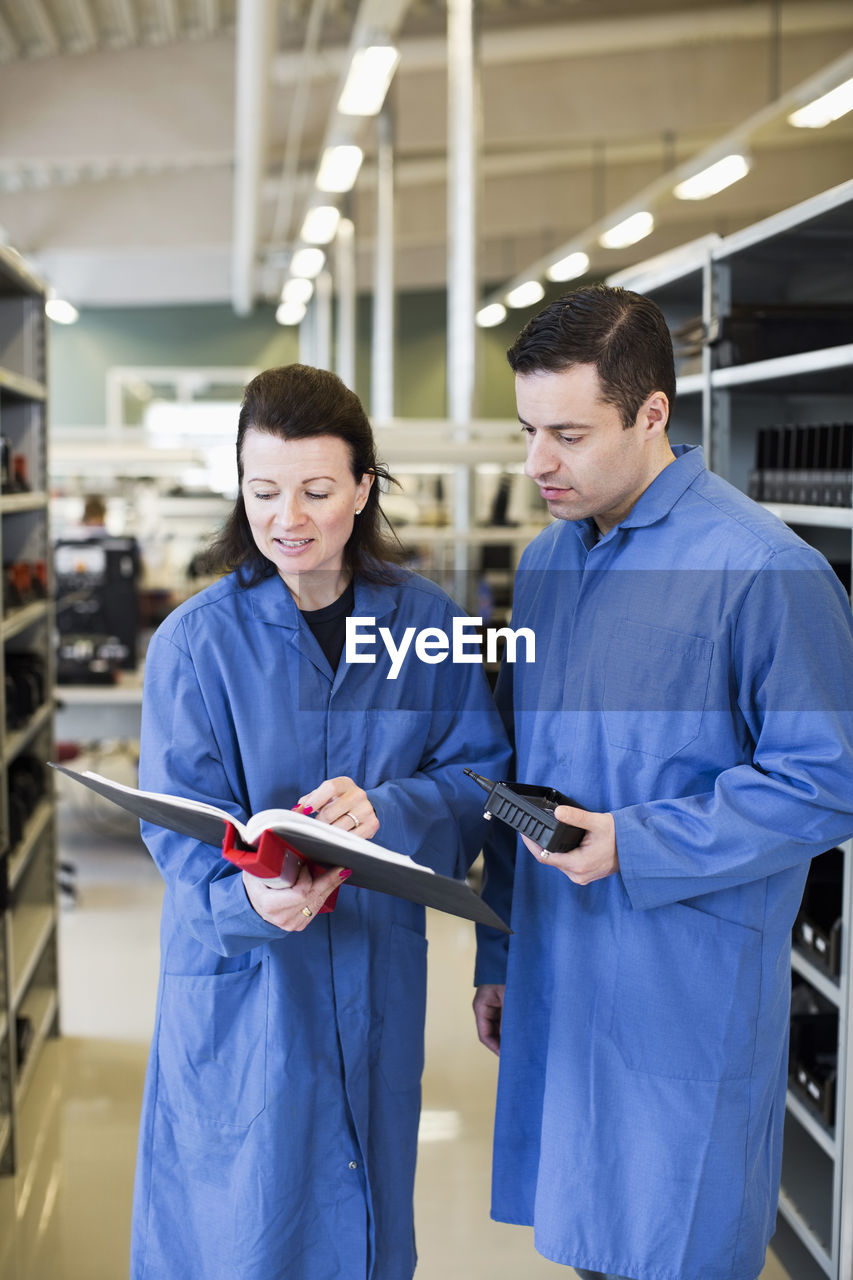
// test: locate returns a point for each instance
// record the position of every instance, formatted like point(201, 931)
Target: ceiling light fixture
point(368, 79)
point(569, 268)
point(297, 289)
point(60, 311)
point(308, 263)
point(822, 111)
point(628, 232)
point(320, 224)
point(716, 177)
point(290, 312)
point(339, 168)
point(524, 295)
point(488, 317)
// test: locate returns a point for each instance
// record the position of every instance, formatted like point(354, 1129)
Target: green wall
point(81, 354)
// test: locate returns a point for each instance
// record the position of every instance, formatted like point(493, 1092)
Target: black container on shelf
point(24, 1036)
point(817, 929)
point(766, 331)
point(813, 1055)
point(27, 786)
point(5, 464)
point(25, 680)
point(799, 463)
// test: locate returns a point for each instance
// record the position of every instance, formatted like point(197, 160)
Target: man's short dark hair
point(621, 333)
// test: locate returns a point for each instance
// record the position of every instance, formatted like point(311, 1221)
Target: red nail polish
point(307, 808)
point(345, 875)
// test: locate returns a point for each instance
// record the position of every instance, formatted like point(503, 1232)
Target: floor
point(70, 1203)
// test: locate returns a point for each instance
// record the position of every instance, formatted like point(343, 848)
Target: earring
point(358, 512)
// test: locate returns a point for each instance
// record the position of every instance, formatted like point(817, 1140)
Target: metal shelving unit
point(802, 258)
point(29, 1008)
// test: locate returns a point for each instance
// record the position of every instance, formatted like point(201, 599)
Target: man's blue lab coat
point(694, 676)
point(280, 1116)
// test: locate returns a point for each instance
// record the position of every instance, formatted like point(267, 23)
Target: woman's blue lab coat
point(694, 675)
point(280, 1116)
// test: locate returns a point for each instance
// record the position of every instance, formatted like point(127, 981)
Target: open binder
point(372, 866)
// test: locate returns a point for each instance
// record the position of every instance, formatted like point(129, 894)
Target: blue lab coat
point(694, 676)
point(280, 1114)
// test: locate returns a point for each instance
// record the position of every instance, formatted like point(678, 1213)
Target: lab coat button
point(353, 1164)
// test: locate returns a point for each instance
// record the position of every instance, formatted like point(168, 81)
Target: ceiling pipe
point(255, 41)
point(722, 25)
point(345, 313)
point(384, 248)
point(377, 21)
point(287, 182)
point(463, 148)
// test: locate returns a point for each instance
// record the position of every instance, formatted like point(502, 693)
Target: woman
point(279, 1123)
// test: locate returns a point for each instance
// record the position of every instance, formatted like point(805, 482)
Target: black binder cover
point(372, 866)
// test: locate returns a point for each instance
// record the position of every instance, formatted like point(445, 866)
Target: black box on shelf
point(817, 928)
point(799, 463)
point(841, 463)
point(813, 1050)
point(24, 680)
point(764, 332)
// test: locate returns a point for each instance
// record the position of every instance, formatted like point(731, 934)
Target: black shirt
point(329, 625)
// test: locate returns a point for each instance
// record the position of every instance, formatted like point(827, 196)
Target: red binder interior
point(267, 859)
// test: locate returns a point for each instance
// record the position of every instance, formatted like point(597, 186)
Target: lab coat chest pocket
point(401, 1052)
point(396, 740)
point(686, 994)
point(655, 688)
point(212, 1045)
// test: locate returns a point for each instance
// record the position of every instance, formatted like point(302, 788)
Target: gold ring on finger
point(306, 911)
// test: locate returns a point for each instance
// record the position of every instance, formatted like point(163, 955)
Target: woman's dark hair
point(621, 333)
point(297, 402)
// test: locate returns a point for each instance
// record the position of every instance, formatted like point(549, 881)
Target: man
point(692, 693)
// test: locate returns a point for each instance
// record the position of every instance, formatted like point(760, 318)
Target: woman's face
point(301, 498)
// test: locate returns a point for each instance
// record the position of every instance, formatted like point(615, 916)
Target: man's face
point(579, 454)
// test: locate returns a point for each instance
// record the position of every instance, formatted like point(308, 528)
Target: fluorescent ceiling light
point(488, 317)
point(60, 311)
point(831, 106)
point(320, 224)
point(290, 312)
point(308, 263)
point(297, 289)
point(339, 168)
point(569, 268)
point(715, 178)
point(368, 78)
point(628, 232)
point(524, 295)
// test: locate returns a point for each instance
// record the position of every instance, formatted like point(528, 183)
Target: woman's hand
point(343, 805)
point(293, 909)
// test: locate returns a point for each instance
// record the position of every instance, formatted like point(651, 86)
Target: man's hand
point(488, 1010)
point(595, 857)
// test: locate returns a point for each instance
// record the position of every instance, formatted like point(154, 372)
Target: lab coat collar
point(658, 500)
point(667, 487)
point(271, 602)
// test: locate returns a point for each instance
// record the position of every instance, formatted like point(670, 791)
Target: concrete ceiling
point(119, 144)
